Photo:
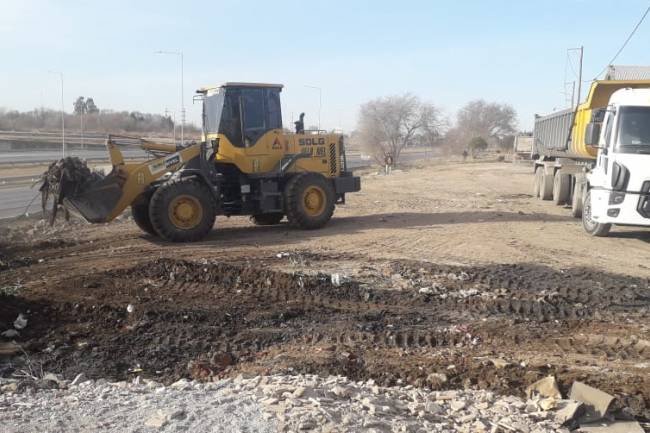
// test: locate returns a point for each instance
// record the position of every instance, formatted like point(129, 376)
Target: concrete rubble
point(586, 410)
point(264, 404)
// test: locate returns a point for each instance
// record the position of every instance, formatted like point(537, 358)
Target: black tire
point(592, 227)
point(561, 188)
point(267, 219)
point(576, 201)
point(140, 213)
point(546, 187)
point(182, 210)
point(298, 193)
point(537, 181)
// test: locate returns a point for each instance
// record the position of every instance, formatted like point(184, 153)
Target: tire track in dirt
point(185, 311)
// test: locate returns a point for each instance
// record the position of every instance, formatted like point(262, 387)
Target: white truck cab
point(618, 185)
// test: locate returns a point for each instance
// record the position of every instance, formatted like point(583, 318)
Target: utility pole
point(83, 110)
point(180, 54)
point(174, 120)
point(580, 51)
point(320, 101)
point(62, 114)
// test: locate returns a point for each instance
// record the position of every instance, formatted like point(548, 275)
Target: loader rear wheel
point(140, 213)
point(182, 211)
point(267, 219)
point(309, 201)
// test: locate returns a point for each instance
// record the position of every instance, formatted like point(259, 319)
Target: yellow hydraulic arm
point(107, 198)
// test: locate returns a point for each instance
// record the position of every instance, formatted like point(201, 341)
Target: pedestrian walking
point(388, 163)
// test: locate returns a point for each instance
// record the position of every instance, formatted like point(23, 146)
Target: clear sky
point(446, 52)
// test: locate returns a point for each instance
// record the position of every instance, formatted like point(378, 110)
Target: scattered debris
point(159, 420)
point(10, 333)
point(596, 402)
point(499, 363)
point(568, 411)
point(65, 177)
point(20, 322)
point(545, 388)
point(269, 404)
point(612, 427)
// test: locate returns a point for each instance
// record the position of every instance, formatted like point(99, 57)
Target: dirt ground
point(448, 268)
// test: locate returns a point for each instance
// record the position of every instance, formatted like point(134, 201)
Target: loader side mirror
point(592, 134)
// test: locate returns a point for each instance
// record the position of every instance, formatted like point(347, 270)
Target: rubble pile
point(263, 403)
point(62, 178)
point(587, 409)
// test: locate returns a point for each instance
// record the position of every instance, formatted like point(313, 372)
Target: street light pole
point(62, 113)
point(180, 54)
point(320, 101)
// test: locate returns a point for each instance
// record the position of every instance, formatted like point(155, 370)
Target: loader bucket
point(97, 200)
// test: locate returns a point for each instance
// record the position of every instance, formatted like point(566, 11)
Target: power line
point(624, 43)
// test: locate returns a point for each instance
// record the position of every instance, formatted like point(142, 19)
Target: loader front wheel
point(182, 211)
point(309, 201)
point(140, 213)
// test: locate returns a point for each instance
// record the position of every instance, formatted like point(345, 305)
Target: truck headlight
point(616, 197)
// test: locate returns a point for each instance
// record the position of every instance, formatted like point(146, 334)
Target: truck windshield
point(634, 129)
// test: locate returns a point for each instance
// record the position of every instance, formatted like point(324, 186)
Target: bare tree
point(491, 121)
point(387, 125)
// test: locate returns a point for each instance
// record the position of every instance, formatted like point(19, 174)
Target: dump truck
point(245, 164)
point(522, 146)
point(596, 157)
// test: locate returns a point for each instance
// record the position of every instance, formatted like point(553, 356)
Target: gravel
point(262, 404)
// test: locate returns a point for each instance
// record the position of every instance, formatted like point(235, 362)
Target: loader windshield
point(212, 109)
point(634, 130)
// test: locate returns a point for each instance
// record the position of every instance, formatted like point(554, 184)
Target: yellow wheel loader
point(246, 164)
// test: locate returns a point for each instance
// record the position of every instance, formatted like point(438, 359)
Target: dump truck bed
point(561, 134)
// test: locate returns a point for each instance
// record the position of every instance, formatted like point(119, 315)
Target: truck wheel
point(546, 186)
point(267, 219)
point(182, 210)
point(576, 201)
point(561, 188)
point(592, 227)
point(309, 201)
point(140, 213)
point(537, 181)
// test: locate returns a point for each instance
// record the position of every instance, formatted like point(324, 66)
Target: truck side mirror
point(592, 133)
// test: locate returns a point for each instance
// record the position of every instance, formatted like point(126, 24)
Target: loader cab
point(242, 112)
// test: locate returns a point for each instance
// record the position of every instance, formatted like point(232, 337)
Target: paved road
point(14, 200)
point(51, 155)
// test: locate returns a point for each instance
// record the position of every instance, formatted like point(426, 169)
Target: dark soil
point(212, 319)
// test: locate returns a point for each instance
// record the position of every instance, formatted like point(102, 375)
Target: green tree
point(91, 108)
point(80, 106)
